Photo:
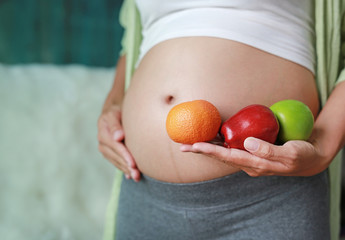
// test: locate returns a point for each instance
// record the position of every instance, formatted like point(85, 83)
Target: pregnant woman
point(232, 54)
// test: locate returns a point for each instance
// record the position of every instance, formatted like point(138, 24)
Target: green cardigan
point(330, 51)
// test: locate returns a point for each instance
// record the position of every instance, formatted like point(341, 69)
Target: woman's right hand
point(111, 142)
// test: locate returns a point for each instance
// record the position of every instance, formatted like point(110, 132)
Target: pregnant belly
point(229, 74)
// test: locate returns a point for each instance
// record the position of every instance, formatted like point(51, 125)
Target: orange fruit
point(194, 121)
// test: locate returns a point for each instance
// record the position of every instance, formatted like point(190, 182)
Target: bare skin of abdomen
point(229, 74)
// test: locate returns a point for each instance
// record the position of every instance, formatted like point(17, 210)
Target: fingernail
point(117, 134)
point(133, 174)
point(251, 145)
point(196, 148)
point(127, 176)
point(185, 148)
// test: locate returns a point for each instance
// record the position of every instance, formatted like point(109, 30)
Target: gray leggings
point(232, 207)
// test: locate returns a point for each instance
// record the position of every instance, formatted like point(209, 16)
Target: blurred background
point(60, 32)
point(57, 62)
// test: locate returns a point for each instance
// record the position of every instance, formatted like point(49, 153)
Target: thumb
point(116, 130)
point(118, 135)
point(115, 127)
point(261, 148)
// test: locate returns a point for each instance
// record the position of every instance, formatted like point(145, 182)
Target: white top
point(281, 27)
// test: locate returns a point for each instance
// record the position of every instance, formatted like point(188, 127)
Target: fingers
point(264, 149)
point(110, 137)
point(122, 160)
point(117, 153)
point(288, 156)
point(255, 146)
point(109, 128)
point(118, 135)
point(230, 156)
point(114, 158)
point(113, 144)
point(251, 164)
point(216, 151)
point(112, 117)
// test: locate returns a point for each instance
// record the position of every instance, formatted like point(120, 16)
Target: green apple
point(295, 119)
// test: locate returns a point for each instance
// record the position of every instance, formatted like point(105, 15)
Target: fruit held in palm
point(194, 121)
point(295, 119)
point(252, 121)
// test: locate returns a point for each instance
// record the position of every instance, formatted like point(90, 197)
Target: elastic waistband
point(235, 189)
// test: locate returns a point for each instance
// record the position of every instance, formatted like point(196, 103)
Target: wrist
point(111, 106)
point(325, 145)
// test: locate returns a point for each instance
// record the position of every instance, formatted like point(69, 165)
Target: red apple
point(252, 121)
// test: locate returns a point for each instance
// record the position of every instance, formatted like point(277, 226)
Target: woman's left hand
point(294, 158)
